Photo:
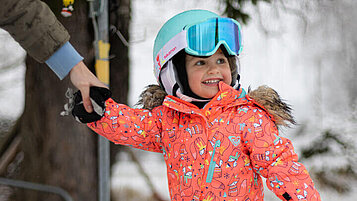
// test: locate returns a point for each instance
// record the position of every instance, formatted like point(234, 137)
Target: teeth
point(211, 81)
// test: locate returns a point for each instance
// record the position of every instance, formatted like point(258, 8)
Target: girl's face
point(204, 74)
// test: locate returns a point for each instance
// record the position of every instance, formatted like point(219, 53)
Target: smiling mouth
point(211, 82)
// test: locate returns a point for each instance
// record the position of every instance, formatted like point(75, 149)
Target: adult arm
point(67, 60)
point(33, 25)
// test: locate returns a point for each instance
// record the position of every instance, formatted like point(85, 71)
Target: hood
point(270, 100)
point(263, 96)
point(151, 97)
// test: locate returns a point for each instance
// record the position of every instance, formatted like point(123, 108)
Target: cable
point(36, 186)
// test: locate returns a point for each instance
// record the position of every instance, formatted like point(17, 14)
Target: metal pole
point(100, 8)
point(104, 169)
point(102, 69)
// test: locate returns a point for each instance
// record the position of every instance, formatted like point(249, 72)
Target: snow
point(12, 79)
point(279, 51)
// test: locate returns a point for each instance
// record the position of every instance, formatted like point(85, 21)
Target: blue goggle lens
point(205, 38)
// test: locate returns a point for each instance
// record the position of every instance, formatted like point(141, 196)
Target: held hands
point(75, 105)
point(82, 78)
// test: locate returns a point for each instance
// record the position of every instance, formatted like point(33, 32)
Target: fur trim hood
point(264, 96)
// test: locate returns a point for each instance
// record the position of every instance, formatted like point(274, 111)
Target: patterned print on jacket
point(216, 153)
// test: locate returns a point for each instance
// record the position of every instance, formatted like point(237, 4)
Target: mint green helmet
point(172, 38)
point(176, 24)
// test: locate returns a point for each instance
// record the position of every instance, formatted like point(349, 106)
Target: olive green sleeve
point(32, 24)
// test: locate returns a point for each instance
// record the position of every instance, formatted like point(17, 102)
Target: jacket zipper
point(212, 165)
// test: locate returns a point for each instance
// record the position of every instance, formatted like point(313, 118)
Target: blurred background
point(305, 50)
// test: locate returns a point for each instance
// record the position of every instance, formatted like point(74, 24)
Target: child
point(217, 141)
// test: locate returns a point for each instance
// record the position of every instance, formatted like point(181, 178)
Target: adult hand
point(82, 78)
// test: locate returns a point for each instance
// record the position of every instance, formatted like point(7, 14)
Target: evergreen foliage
point(339, 171)
point(235, 9)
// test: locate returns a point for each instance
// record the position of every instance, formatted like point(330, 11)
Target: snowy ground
point(271, 59)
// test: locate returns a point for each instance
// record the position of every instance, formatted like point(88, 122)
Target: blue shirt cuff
point(63, 60)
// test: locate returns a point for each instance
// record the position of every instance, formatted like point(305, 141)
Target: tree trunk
point(119, 64)
point(57, 150)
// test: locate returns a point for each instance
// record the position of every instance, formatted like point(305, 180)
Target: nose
point(213, 69)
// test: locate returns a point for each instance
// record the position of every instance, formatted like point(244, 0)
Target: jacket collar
point(226, 97)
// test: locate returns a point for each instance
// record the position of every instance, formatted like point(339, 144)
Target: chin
point(209, 95)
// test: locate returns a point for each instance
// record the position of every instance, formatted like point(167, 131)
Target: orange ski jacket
point(216, 153)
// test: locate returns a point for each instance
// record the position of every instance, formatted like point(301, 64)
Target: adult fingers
point(86, 99)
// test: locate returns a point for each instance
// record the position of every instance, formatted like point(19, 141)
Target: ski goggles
point(202, 39)
point(205, 38)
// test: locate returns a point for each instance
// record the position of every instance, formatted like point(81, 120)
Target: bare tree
point(56, 150)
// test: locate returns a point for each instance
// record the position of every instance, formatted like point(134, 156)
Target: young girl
point(217, 141)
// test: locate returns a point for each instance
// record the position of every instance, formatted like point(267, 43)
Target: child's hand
point(98, 96)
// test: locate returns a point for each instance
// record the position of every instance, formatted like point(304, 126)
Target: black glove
point(98, 96)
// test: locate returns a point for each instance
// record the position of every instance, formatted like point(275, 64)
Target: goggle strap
point(171, 48)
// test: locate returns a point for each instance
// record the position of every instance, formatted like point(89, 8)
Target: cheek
point(229, 79)
point(193, 78)
point(227, 76)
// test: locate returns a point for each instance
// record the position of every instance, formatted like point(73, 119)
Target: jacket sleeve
point(33, 25)
point(138, 128)
point(274, 158)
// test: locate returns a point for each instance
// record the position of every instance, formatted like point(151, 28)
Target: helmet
point(171, 39)
point(176, 24)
